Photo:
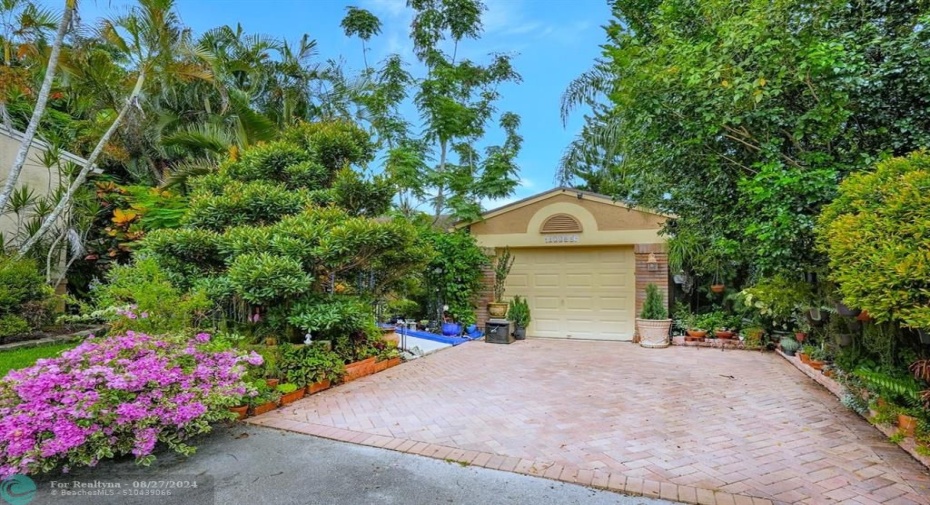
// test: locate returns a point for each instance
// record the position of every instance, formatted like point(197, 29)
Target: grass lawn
point(21, 358)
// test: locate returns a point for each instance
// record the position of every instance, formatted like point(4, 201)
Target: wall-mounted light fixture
point(652, 264)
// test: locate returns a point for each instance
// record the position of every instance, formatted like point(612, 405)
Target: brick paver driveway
point(688, 424)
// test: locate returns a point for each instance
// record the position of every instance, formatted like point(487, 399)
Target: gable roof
point(562, 190)
point(41, 144)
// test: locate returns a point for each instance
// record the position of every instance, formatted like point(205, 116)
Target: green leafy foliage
point(875, 235)
point(328, 317)
point(305, 365)
point(519, 312)
point(455, 272)
point(654, 305)
point(25, 300)
point(264, 278)
point(502, 266)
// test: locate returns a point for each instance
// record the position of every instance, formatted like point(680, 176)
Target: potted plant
point(907, 421)
point(802, 328)
point(789, 346)
point(264, 399)
point(290, 392)
point(699, 324)
point(653, 325)
point(241, 410)
point(519, 313)
point(314, 366)
point(805, 354)
point(818, 357)
point(498, 308)
point(727, 326)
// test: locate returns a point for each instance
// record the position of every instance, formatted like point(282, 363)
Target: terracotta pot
point(292, 397)
point(380, 366)
point(723, 334)
point(359, 369)
point(261, 409)
point(718, 288)
point(800, 336)
point(497, 310)
point(804, 358)
point(697, 333)
point(393, 362)
point(864, 316)
point(816, 365)
point(242, 411)
point(319, 386)
point(907, 424)
point(272, 383)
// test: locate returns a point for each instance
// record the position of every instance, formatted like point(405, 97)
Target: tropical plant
point(25, 300)
point(306, 365)
point(874, 237)
point(519, 312)
point(653, 305)
point(502, 266)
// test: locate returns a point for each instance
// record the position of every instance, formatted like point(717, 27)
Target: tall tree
point(362, 23)
point(144, 36)
point(38, 20)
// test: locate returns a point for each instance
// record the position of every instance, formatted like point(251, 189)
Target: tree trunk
point(441, 189)
point(82, 176)
point(41, 102)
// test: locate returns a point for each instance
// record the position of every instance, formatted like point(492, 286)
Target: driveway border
point(611, 481)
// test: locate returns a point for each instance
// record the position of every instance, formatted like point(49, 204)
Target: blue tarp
point(440, 338)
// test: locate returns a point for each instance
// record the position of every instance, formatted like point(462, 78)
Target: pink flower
point(202, 337)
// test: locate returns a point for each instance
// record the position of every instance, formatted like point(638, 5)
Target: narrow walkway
point(686, 424)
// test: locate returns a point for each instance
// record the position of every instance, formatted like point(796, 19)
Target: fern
point(906, 388)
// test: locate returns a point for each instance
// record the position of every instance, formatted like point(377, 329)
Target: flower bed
point(115, 396)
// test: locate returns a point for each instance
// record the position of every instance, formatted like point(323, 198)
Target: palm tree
point(39, 19)
point(144, 36)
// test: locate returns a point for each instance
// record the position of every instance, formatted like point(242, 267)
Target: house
point(582, 260)
point(42, 180)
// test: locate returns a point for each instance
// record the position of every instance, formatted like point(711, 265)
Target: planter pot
point(718, 288)
point(804, 358)
point(272, 383)
point(696, 333)
point(359, 369)
point(924, 336)
point(864, 316)
point(380, 366)
point(497, 310)
point(241, 412)
point(319, 386)
point(844, 339)
point(451, 329)
point(816, 365)
point(788, 352)
point(800, 336)
point(845, 311)
point(519, 333)
point(393, 362)
point(261, 409)
point(815, 314)
point(292, 397)
point(723, 334)
point(653, 332)
point(907, 424)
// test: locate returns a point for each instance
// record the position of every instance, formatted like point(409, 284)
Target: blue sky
point(554, 41)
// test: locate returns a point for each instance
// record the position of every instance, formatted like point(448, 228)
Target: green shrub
point(334, 144)
point(305, 365)
point(264, 278)
point(251, 203)
point(26, 302)
point(12, 325)
point(653, 306)
point(875, 236)
point(328, 317)
point(267, 162)
point(519, 312)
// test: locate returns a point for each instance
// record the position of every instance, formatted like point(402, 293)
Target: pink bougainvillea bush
point(116, 396)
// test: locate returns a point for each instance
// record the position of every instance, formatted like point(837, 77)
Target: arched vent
point(561, 223)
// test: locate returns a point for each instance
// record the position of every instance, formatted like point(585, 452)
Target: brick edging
point(600, 479)
point(838, 390)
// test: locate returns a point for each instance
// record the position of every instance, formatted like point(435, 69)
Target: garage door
point(576, 292)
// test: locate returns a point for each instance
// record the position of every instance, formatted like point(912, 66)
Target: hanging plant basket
point(816, 314)
point(845, 311)
point(718, 288)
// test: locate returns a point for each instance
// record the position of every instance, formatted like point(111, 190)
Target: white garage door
point(573, 292)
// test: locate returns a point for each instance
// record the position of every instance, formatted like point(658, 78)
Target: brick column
point(644, 276)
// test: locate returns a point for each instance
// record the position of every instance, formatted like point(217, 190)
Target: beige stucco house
point(582, 261)
point(35, 174)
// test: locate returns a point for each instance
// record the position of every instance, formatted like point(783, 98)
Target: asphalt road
point(253, 465)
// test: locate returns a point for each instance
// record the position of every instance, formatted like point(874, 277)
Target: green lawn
point(21, 358)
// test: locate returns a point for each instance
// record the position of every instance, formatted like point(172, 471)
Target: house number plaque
point(561, 239)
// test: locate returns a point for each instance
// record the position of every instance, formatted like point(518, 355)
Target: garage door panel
point(580, 293)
